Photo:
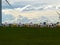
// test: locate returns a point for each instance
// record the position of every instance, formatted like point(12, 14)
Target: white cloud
point(31, 15)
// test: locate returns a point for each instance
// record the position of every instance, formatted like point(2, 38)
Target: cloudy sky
point(26, 11)
point(44, 1)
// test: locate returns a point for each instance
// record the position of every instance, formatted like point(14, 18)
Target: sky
point(44, 1)
point(26, 11)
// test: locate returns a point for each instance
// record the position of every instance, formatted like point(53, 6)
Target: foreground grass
point(29, 36)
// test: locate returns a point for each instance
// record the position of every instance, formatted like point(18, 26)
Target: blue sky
point(32, 12)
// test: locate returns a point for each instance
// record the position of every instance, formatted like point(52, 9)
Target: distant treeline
point(33, 25)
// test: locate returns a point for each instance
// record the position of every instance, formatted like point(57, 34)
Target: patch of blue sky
point(7, 17)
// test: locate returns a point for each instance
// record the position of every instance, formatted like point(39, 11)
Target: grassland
point(29, 36)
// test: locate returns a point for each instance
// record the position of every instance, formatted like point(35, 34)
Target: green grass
point(29, 36)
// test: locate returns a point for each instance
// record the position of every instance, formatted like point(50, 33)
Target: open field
point(29, 36)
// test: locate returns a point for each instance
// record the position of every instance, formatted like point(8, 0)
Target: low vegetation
point(29, 36)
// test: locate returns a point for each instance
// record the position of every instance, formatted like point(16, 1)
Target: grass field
point(29, 36)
